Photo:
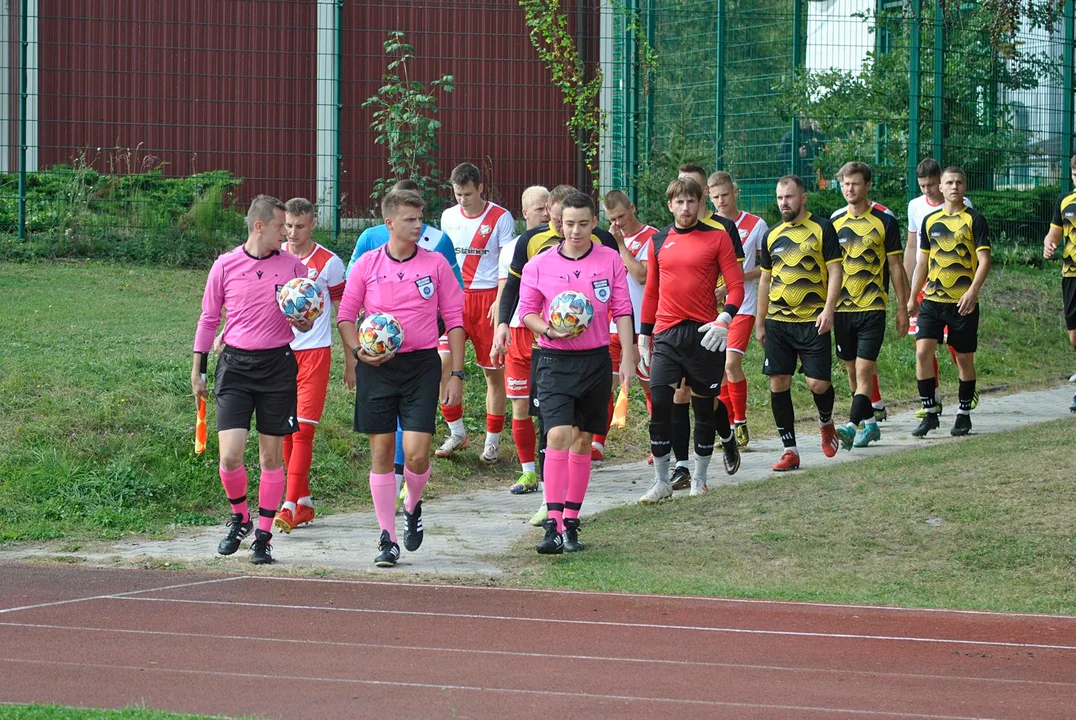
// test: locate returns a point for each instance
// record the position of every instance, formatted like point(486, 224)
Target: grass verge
point(984, 523)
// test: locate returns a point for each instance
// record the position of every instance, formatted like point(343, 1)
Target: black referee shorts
point(574, 388)
point(788, 341)
point(934, 317)
point(261, 382)
point(678, 354)
point(407, 387)
point(859, 334)
point(1068, 292)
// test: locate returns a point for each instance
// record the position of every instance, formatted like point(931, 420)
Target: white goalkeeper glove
point(716, 333)
point(644, 353)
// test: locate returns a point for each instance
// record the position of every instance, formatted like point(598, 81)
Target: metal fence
point(123, 118)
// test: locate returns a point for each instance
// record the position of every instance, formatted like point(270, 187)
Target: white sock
point(493, 439)
point(528, 467)
point(399, 484)
point(289, 506)
point(306, 501)
point(702, 465)
point(661, 469)
point(679, 463)
point(456, 427)
point(878, 405)
point(870, 420)
point(794, 449)
point(599, 446)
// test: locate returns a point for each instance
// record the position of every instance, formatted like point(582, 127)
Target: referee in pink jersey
point(256, 373)
point(414, 286)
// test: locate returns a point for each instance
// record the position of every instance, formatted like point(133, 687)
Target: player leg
point(556, 391)
point(930, 332)
point(235, 406)
point(480, 331)
point(597, 450)
point(419, 393)
point(592, 413)
point(816, 355)
point(535, 411)
point(680, 435)
point(453, 414)
point(964, 341)
point(870, 332)
point(312, 385)
point(517, 370)
point(743, 326)
point(844, 337)
point(1068, 295)
point(665, 373)
point(779, 364)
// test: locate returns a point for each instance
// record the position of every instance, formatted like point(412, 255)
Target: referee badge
point(425, 287)
point(601, 290)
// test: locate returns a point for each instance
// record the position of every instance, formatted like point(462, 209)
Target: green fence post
point(797, 41)
point(939, 82)
point(915, 30)
point(1066, 98)
point(631, 100)
point(24, 45)
point(648, 138)
point(339, 104)
point(719, 94)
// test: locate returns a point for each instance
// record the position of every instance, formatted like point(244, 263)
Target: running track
point(282, 647)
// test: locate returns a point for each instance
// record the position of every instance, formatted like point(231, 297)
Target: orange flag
point(199, 429)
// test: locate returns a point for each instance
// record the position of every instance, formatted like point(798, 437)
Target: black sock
point(784, 416)
point(721, 417)
point(661, 403)
point(926, 394)
point(861, 409)
point(824, 403)
point(705, 430)
point(679, 428)
point(966, 393)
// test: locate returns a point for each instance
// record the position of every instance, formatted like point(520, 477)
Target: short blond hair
point(616, 199)
point(400, 198)
point(299, 206)
point(720, 178)
point(534, 192)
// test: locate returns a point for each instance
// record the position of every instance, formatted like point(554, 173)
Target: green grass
point(984, 523)
point(57, 712)
point(96, 417)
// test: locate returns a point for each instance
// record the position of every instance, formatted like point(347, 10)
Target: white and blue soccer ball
point(300, 299)
point(380, 334)
point(571, 312)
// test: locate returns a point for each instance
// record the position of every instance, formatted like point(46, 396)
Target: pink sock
point(270, 491)
point(578, 479)
point(416, 483)
point(555, 479)
point(383, 491)
point(235, 487)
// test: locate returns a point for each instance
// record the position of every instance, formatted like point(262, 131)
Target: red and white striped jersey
point(753, 231)
point(478, 241)
point(325, 268)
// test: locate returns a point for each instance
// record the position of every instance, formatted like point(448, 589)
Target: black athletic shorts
point(574, 388)
point(787, 341)
point(261, 382)
point(963, 329)
point(1068, 292)
point(407, 387)
point(678, 354)
point(859, 334)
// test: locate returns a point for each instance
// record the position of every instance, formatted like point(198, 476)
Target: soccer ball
point(570, 312)
point(380, 334)
point(300, 299)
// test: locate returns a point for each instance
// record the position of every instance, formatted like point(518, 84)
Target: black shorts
point(788, 341)
point(679, 354)
point(934, 317)
point(406, 387)
point(573, 388)
point(859, 334)
point(1068, 292)
point(261, 382)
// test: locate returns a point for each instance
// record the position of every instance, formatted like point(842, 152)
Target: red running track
point(315, 648)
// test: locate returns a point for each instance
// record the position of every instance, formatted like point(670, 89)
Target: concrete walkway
point(463, 531)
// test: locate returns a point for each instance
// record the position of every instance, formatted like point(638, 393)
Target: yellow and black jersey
point(796, 255)
point(866, 242)
point(729, 227)
point(953, 243)
point(1065, 220)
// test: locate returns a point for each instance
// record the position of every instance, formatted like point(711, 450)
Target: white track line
point(115, 596)
point(506, 691)
point(608, 623)
point(692, 598)
point(307, 642)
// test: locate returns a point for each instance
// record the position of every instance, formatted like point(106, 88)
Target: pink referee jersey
point(478, 241)
point(414, 291)
point(245, 288)
point(600, 275)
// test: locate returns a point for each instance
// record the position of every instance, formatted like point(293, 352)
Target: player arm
point(1053, 237)
point(649, 311)
point(531, 301)
point(448, 252)
point(911, 254)
point(634, 267)
point(731, 269)
point(510, 294)
point(348, 311)
point(982, 250)
point(831, 253)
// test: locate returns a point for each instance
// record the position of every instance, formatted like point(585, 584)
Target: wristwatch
point(545, 333)
point(355, 352)
point(461, 374)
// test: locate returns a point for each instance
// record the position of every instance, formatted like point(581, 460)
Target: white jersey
point(325, 268)
point(502, 274)
point(639, 247)
point(753, 231)
point(478, 241)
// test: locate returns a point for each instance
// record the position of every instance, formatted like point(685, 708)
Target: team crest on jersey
point(484, 230)
point(425, 287)
point(601, 290)
point(312, 273)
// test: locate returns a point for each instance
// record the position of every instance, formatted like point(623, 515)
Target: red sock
point(494, 423)
point(952, 352)
point(936, 383)
point(555, 475)
point(302, 452)
point(289, 445)
point(724, 396)
point(578, 479)
point(649, 404)
point(876, 392)
point(525, 439)
point(609, 424)
point(738, 394)
point(452, 413)
point(270, 490)
point(235, 488)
